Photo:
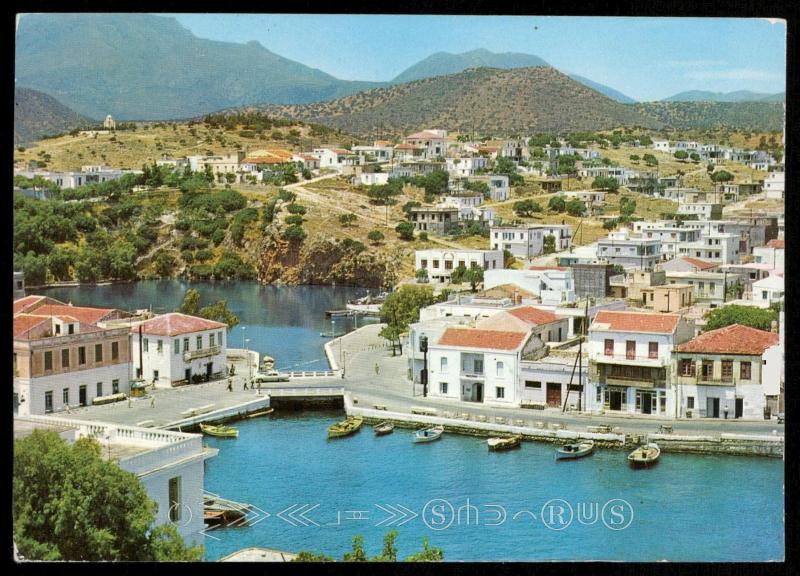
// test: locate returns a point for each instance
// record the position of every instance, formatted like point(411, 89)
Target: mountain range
point(737, 96)
point(36, 115)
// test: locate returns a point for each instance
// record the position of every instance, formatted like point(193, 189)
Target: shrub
point(375, 236)
point(405, 230)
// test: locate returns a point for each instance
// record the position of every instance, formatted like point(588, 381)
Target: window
point(48, 402)
point(477, 366)
point(146, 345)
point(442, 387)
point(690, 402)
point(58, 329)
point(448, 264)
point(500, 370)
point(652, 350)
point(82, 395)
point(443, 364)
point(745, 370)
point(65, 396)
point(211, 339)
point(175, 499)
point(219, 338)
point(98, 352)
point(533, 384)
point(727, 370)
point(160, 346)
point(630, 349)
point(199, 342)
point(436, 264)
point(707, 369)
point(48, 360)
point(687, 367)
point(609, 347)
point(115, 386)
point(65, 358)
point(155, 375)
point(185, 344)
point(81, 355)
point(176, 346)
point(115, 350)
point(99, 388)
point(500, 392)
point(71, 329)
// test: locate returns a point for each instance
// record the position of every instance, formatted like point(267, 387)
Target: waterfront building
point(629, 251)
point(544, 324)
point(174, 349)
point(481, 366)
point(64, 358)
point(630, 361)
point(441, 262)
point(169, 465)
point(551, 285)
point(728, 373)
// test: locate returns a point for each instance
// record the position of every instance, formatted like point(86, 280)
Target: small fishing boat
point(345, 427)
point(575, 450)
point(645, 456)
point(213, 517)
point(428, 434)
point(219, 431)
point(367, 304)
point(383, 428)
point(261, 413)
point(500, 444)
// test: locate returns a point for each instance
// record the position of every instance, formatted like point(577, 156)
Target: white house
point(775, 184)
point(169, 465)
point(629, 251)
point(671, 238)
point(331, 157)
point(372, 178)
point(178, 349)
point(466, 166)
point(771, 254)
point(440, 262)
point(480, 366)
point(728, 373)
point(715, 247)
point(661, 145)
point(769, 290)
point(630, 358)
point(553, 285)
point(703, 210)
point(544, 324)
point(433, 143)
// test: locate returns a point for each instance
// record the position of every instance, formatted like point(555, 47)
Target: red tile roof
point(733, 339)
point(424, 135)
point(488, 339)
point(780, 244)
point(408, 147)
point(27, 302)
point(699, 264)
point(23, 323)
point(635, 322)
point(559, 268)
point(535, 316)
point(175, 323)
point(83, 314)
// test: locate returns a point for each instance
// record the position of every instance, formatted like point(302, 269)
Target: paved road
point(391, 388)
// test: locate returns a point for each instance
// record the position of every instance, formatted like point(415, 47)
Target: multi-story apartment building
point(527, 242)
point(710, 287)
point(630, 361)
point(176, 348)
point(629, 251)
point(727, 373)
point(435, 219)
point(722, 248)
point(441, 262)
point(63, 358)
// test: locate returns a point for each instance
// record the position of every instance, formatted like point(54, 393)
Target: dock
point(346, 312)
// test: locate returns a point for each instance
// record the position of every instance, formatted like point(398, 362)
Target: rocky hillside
point(37, 115)
point(488, 100)
point(758, 116)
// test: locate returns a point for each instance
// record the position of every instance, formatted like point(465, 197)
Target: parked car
point(780, 417)
point(270, 376)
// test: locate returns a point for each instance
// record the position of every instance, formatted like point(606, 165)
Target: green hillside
point(759, 116)
point(36, 115)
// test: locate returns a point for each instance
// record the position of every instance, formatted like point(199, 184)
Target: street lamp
point(243, 329)
point(249, 361)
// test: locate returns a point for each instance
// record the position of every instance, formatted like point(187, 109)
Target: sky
point(644, 58)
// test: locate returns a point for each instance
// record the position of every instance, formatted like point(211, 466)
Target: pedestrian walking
point(153, 402)
point(230, 384)
point(245, 384)
point(377, 368)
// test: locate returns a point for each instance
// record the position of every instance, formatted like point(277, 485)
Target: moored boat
point(383, 428)
point(261, 413)
point(508, 443)
point(345, 427)
point(428, 434)
point(575, 450)
point(645, 456)
point(219, 431)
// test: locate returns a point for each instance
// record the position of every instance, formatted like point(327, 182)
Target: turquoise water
point(281, 321)
point(692, 508)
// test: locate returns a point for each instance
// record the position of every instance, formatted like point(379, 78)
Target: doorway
point(82, 395)
point(739, 408)
point(712, 407)
point(188, 375)
point(615, 400)
point(478, 392)
point(209, 369)
point(553, 394)
point(647, 403)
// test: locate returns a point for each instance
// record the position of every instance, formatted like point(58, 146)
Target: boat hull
point(583, 451)
point(346, 428)
point(645, 456)
point(428, 435)
point(383, 429)
point(219, 432)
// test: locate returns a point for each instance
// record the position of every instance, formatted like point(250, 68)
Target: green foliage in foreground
point(388, 553)
point(71, 504)
point(401, 308)
point(218, 311)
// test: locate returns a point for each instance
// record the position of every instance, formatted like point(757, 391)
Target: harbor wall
point(734, 444)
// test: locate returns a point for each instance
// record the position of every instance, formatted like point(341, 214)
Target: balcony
point(629, 359)
point(473, 374)
point(202, 353)
point(638, 382)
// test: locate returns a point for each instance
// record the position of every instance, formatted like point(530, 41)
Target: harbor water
point(475, 505)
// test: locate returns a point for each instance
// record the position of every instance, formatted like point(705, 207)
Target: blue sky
point(645, 58)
